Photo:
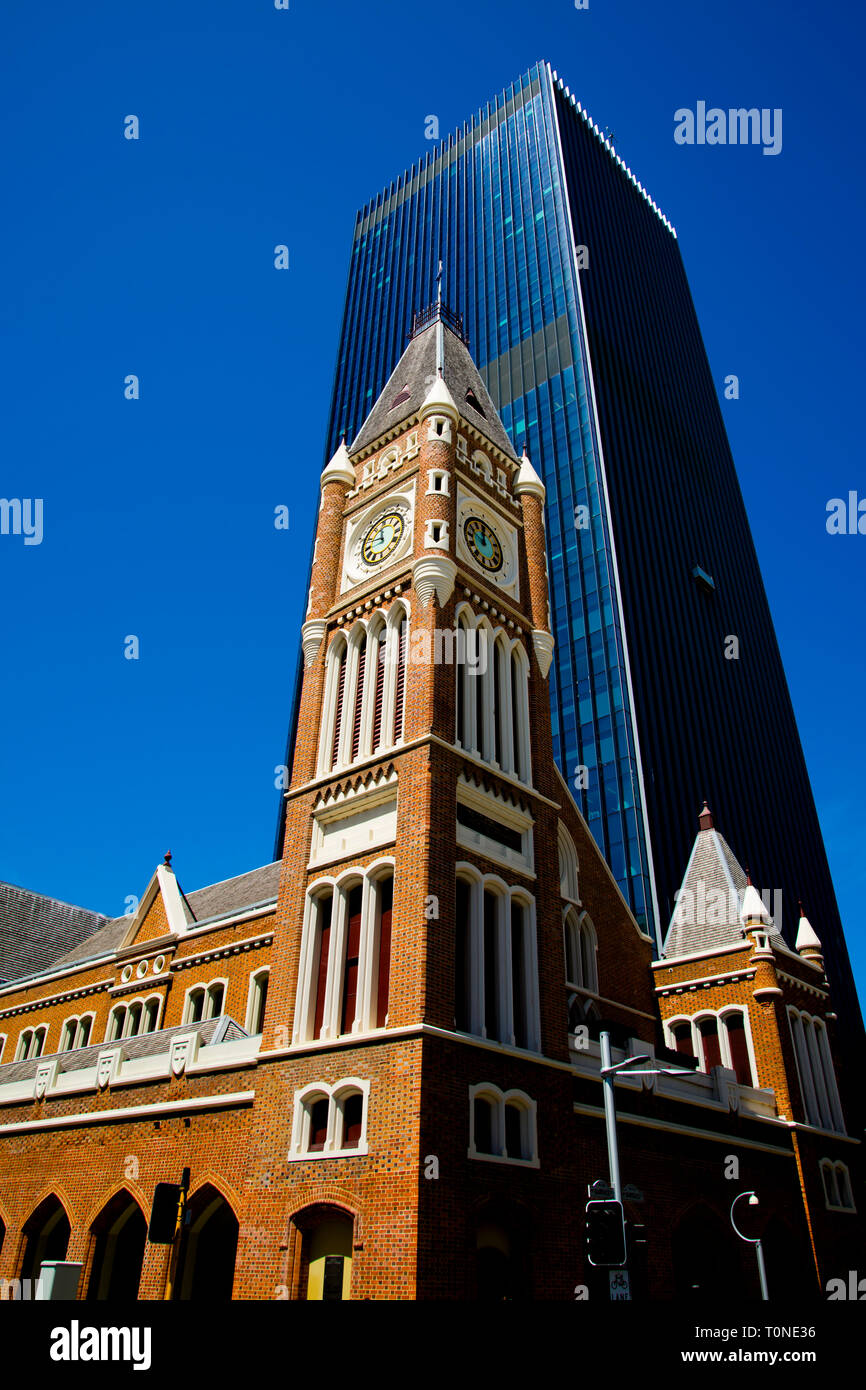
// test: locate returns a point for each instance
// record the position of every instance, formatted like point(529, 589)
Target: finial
point(705, 819)
point(167, 858)
point(440, 337)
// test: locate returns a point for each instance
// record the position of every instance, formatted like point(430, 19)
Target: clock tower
point(417, 1011)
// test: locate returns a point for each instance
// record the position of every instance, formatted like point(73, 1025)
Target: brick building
point(379, 1058)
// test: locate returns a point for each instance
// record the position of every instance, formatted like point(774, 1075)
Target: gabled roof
point(35, 930)
point(96, 935)
point(707, 914)
point(412, 378)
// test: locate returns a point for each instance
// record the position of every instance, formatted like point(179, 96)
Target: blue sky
point(155, 257)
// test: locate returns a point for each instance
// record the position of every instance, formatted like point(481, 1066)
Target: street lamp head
point(753, 1201)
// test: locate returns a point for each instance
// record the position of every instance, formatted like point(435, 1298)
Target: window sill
point(360, 1152)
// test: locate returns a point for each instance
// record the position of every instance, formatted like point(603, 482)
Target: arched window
point(358, 702)
point(717, 1040)
point(330, 1120)
point(84, 1027)
point(815, 1068)
point(216, 994)
point(350, 1119)
point(133, 1020)
point(256, 1004)
point(318, 1107)
point(838, 1194)
point(332, 705)
point(384, 891)
point(401, 637)
point(495, 966)
point(568, 866)
point(581, 947)
point(466, 682)
point(483, 1116)
point(116, 1021)
point(520, 711)
point(375, 682)
point(352, 948)
point(738, 1047)
point(502, 1125)
point(322, 915)
point(67, 1035)
point(344, 983)
point(195, 1001)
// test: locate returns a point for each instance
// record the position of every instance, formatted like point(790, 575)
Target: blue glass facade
point(489, 202)
point(580, 319)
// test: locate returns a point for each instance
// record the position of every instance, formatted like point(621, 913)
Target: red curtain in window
point(318, 1125)
point(359, 700)
point(353, 1113)
point(353, 950)
point(379, 690)
point(683, 1038)
point(338, 713)
point(739, 1049)
point(400, 682)
point(323, 909)
point(709, 1031)
point(386, 900)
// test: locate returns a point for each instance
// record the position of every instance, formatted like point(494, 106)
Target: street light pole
point(608, 1071)
point(752, 1240)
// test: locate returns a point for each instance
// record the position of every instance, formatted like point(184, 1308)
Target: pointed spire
point(528, 481)
point(753, 913)
point(705, 819)
point(439, 400)
point(340, 469)
point(807, 942)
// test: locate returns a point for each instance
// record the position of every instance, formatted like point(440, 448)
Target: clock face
point(382, 538)
point(484, 543)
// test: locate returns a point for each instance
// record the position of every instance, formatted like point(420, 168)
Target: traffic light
point(163, 1215)
point(605, 1234)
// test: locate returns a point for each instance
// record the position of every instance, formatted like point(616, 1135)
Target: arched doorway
point(707, 1263)
point(328, 1251)
point(120, 1231)
point(501, 1255)
point(209, 1246)
point(46, 1235)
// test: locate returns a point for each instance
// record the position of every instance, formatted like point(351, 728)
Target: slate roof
point(35, 930)
point(96, 935)
point(148, 1045)
point(412, 378)
point(233, 894)
point(710, 917)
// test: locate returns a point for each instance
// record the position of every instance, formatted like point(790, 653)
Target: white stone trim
point(157, 1110)
point(336, 1094)
point(498, 1100)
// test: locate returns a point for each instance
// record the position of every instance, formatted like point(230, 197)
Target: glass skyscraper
point(578, 313)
